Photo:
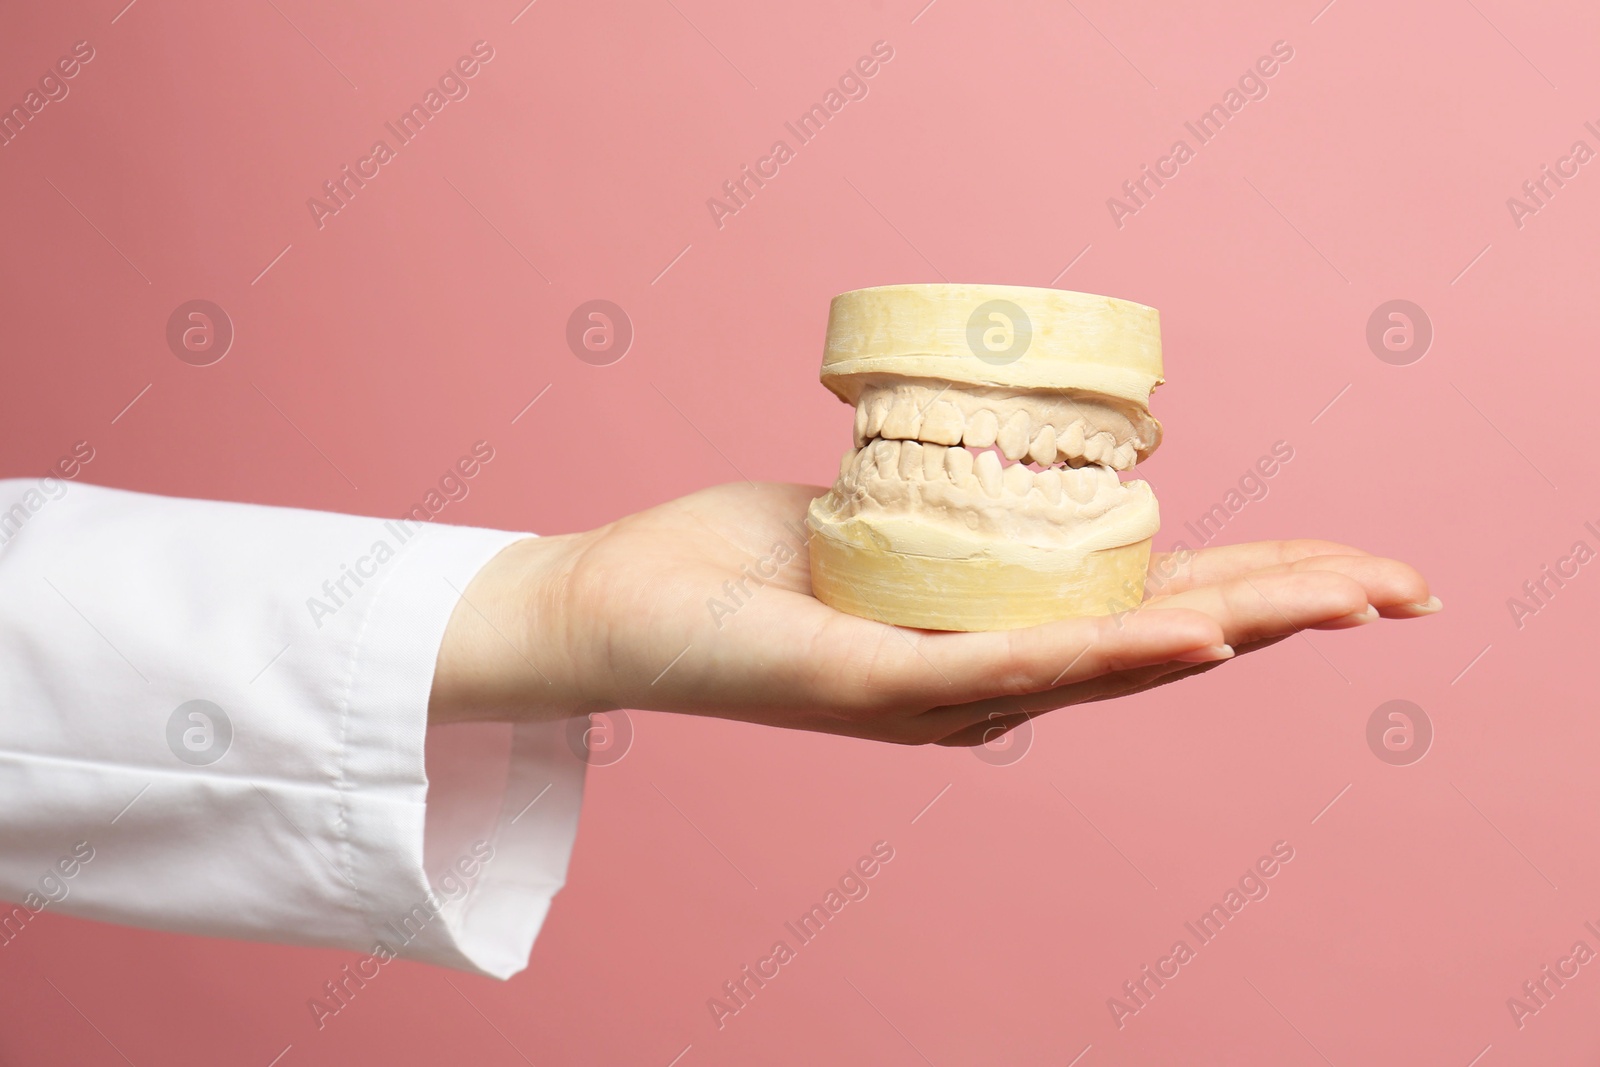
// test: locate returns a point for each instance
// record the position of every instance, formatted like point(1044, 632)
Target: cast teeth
point(943, 424)
point(988, 465)
point(1012, 462)
point(958, 464)
point(888, 470)
point(1013, 439)
point(903, 420)
point(1044, 429)
point(981, 430)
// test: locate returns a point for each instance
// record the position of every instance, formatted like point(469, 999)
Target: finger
point(957, 668)
point(1282, 602)
point(984, 732)
point(1395, 589)
point(1174, 572)
point(1180, 671)
point(961, 724)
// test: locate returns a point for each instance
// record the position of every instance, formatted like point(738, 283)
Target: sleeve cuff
point(459, 871)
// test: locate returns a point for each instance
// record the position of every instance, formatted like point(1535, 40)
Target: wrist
point(504, 656)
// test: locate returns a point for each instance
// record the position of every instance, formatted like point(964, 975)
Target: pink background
point(416, 322)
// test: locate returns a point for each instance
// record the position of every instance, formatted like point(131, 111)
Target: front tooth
point(958, 461)
point(981, 430)
point(1071, 444)
point(1043, 449)
point(1079, 482)
point(910, 459)
point(879, 411)
point(862, 416)
point(1049, 483)
point(988, 468)
point(903, 419)
point(1013, 439)
point(943, 423)
point(886, 454)
point(933, 461)
point(1018, 479)
point(1124, 456)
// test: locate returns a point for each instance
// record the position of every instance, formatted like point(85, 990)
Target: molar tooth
point(958, 461)
point(988, 468)
point(1043, 449)
point(862, 415)
point(1013, 439)
point(1049, 483)
point(879, 410)
point(943, 423)
point(933, 461)
point(1018, 479)
point(910, 459)
point(1104, 445)
point(1123, 458)
point(903, 419)
point(1079, 482)
point(1096, 509)
point(1071, 443)
point(981, 429)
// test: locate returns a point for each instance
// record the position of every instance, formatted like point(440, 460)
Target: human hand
point(703, 606)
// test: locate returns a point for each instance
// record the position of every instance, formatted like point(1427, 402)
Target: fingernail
point(1360, 618)
point(1208, 654)
point(1432, 605)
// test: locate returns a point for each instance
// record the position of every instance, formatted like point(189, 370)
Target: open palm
point(702, 605)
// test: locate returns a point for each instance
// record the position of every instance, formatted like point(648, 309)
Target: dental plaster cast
point(991, 426)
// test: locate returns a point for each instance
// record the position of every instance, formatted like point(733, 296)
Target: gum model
point(992, 424)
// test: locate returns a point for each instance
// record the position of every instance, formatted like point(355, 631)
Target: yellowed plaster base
point(851, 573)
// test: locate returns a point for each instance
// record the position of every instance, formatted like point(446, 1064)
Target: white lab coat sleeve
point(213, 720)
